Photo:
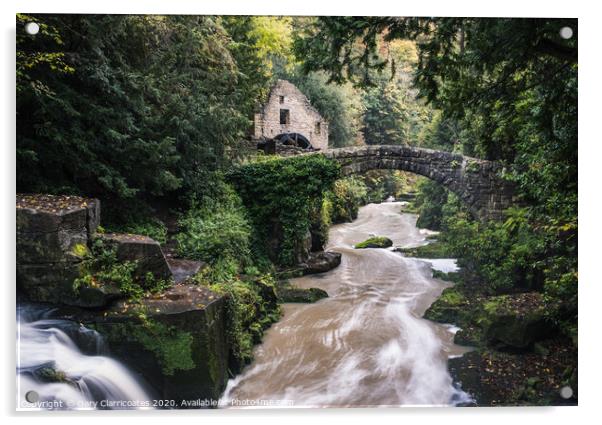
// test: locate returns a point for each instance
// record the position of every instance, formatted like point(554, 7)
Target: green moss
point(251, 307)
point(80, 250)
point(452, 297)
point(212, 362)
point(496, 305)
point(283, 197)
point(434, 249)
point(375, 242)
point(291, 294)
point(172, 348)
point(101, 267)
point(52, 375)
point(472, 166)
point(450, 307)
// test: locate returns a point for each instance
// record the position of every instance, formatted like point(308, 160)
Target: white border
point(590, 98)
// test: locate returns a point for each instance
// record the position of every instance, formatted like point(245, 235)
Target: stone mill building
point(287, 110)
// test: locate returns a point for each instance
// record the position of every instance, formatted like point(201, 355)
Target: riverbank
point(518, 357)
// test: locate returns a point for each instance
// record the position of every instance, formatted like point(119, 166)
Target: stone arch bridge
point(477, 182)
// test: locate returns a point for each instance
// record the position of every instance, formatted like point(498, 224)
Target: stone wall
point(54, 234)
point(477, 182)
point(303, 118)
point(52, 239)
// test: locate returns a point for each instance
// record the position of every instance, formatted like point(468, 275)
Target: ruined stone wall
point(303, 118)
point(54, 234)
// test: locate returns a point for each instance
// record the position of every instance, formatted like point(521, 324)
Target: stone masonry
point(289, 111)
point(54, 233)
point(477, 182)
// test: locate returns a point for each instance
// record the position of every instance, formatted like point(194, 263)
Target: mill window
point(285, 116)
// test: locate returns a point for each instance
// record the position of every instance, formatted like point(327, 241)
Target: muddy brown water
point(365, 345)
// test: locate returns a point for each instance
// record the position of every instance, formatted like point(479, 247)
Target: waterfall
point(63, 365)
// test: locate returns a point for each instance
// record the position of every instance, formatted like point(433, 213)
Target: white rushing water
point(367, 344)
point(86, 381)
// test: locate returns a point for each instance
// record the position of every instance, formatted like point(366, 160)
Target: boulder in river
point(292, 294)
point(375, 242)
point(320, 262)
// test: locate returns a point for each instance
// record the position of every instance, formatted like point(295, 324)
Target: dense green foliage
point(251, 308)
point(145, 106)
point(430, 200)
point(100, 267)
point(150, 109)
point(281, 196)
point(217, 233)
point(343, 201)
point(519, 108)
point(383, 183)
point(142, 225)
point(435, 203)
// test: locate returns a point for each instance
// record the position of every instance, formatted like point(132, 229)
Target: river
point(367, 344)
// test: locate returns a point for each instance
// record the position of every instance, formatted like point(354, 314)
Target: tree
point(506, 90)
point(131, 108)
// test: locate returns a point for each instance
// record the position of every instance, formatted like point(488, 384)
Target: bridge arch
point(477, 182)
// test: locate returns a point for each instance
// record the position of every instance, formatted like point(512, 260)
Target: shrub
point(147, 226)
point(101, 267)
point(504, 257)
point(430, 200)
point(217, 232)
point(251, 306)
point(381, 184)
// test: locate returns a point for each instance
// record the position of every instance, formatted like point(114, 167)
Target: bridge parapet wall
point(477, 182)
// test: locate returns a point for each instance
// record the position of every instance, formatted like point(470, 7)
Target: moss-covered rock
point(176, 341)
point(142, 250)
point(375, 242)
point(321, 262)
point(515, 321)
point(448, 307)
point(251, 307)
point(434, 249)
point(51, 375)
point(52, 237)
point(292, 294)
